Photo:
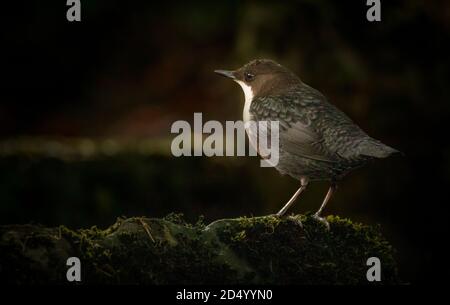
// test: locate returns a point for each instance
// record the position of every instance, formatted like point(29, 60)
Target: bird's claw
point(322, 220)
point(294, 219)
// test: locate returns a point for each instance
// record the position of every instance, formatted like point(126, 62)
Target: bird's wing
point(297, 133)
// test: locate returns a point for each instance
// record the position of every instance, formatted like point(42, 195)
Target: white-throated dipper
point(317, 141)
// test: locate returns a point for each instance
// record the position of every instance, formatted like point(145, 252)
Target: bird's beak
point(229, 74)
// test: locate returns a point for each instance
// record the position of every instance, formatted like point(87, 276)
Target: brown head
point(262, 77)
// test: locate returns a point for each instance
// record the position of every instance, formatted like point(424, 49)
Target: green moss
point(287, 252)
point(171, 251)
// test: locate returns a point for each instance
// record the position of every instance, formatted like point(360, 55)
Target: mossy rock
point(259, 250)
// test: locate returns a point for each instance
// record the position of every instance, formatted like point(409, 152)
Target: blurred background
point(86, 109)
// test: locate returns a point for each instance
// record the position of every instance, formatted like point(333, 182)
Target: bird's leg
point(303, 184)
point(330, 193)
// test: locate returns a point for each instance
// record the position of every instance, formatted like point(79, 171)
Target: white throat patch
point(248, 99)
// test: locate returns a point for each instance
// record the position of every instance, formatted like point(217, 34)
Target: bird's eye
point(249, 77)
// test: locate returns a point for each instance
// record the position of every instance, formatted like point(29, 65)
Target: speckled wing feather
point(310, 127)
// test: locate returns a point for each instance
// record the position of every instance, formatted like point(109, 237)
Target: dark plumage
point(317, 140)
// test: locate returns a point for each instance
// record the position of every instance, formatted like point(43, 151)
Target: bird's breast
point(247, 117)
point(248, 94)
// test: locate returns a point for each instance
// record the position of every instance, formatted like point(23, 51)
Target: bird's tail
point(374, 148)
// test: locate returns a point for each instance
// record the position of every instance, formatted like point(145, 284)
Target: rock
point(258, 250)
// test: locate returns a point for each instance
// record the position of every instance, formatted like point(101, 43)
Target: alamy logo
point(374, 272)
point(374, 12)
point(263, 138)
point(74, 11)
point(73, 274)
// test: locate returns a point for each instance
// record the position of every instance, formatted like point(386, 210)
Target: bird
point(317, 141)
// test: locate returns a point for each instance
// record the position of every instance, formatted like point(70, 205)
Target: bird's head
point(261, 77)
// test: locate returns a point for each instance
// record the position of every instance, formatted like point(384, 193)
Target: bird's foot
point(322, 220)
point(294, 219)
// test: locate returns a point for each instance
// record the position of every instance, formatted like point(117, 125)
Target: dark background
point(86, 109)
